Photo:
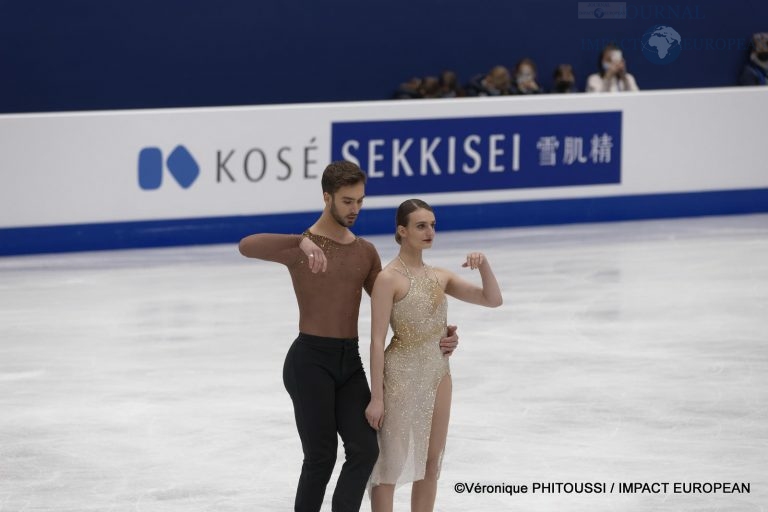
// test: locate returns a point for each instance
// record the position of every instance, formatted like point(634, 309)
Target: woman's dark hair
point(341, 174)
point(405, 209)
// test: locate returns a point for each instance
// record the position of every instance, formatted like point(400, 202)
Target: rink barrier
point(374, 221)
point(149, 178)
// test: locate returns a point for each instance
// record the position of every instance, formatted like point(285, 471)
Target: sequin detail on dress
point(414, 365)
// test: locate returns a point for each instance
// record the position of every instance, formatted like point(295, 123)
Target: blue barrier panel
point(123, 235)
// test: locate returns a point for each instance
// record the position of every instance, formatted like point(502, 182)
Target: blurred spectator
point(409, 90)
point(430, 87)
point(564, 79)
point(756, 70)
point(613, 76)
point(525, 78)
point(449, 85)
point(495, 83)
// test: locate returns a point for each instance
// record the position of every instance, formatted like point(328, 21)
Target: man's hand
point(315, 255)
point(450, 342)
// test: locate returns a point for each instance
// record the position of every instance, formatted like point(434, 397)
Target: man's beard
point(342, 221)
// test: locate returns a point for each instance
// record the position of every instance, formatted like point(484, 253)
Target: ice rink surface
point(151, 380)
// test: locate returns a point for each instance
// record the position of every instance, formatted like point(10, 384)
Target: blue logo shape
point(183, 167)
point(181, 164)
point(150, 168)
point(599, 13)
point(661, 45)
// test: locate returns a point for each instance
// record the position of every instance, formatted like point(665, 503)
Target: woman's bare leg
point(424, 491)
point(382, 498)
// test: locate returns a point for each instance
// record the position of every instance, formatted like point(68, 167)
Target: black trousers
point(327, 384)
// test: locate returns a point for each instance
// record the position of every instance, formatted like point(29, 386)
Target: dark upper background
point(60, 55)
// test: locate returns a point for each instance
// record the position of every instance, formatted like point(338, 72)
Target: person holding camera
point(525, 78)
point(613, 76)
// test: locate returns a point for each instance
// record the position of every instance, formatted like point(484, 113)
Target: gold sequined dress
point(414, 365)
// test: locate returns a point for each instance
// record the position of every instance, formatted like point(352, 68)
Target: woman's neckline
point(423, 268)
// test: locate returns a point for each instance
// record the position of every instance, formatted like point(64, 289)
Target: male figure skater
point(323, 372)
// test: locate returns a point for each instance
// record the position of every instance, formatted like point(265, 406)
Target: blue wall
point(94, 54)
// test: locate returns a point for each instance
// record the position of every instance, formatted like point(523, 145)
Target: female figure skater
point(410, 380)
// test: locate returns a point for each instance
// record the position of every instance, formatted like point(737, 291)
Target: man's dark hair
point(341, 174)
